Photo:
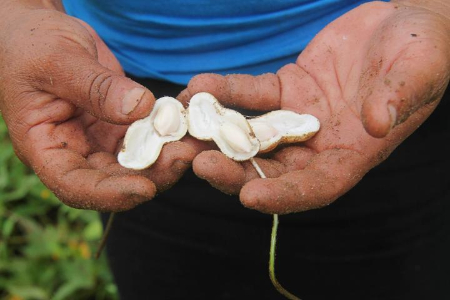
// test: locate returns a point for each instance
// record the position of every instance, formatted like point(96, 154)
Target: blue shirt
point(176, 39)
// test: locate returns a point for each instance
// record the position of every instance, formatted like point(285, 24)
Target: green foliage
point(46, 247)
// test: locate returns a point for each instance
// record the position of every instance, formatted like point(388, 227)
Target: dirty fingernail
point(393, 115)
point(131, 100)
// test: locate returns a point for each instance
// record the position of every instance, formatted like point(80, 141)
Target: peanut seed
point(235, 137)
point(167, 120)
point(264, 131)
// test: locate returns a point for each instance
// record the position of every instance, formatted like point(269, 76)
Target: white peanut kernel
point(145, 138)
point(167, 120)
point(235, 137)
point(210, 121)
point(264, 131)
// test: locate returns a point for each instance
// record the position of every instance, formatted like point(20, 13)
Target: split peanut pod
point(144, 138)
point(283, 126)
point(209, 120)
point(238, 138)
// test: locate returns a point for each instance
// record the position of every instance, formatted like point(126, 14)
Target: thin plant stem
point(273, 243)
point(105, 235)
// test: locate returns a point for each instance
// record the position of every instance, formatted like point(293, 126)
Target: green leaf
point(4, 178)
point(32, 208)
point(93, 231)
point(28, 292)
point(21, 188)
point(68, 289)
point(70, 213)
point(8, 227)
point(41, 239)
point(27, 224)
point(43, 243)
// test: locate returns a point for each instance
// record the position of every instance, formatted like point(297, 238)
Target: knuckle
point(98, 85)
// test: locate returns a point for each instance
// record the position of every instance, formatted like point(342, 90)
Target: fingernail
point(131, 100)
point(392, 114)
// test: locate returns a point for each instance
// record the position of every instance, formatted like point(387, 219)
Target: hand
point(67, 105)
point(371, 77)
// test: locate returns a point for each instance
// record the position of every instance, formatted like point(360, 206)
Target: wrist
point(441, 7)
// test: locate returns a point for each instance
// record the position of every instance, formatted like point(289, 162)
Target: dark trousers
point(388, 238)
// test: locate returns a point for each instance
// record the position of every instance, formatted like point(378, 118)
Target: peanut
point(167, 120)
point(235, 137)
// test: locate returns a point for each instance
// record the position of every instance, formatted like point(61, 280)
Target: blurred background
point(46, 248)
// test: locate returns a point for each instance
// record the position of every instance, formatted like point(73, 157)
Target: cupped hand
point(371, 77)
point(67, 105)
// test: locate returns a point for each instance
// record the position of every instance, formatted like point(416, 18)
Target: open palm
point(371, 77)
point(67, 105)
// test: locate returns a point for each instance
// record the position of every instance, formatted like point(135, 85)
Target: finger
point(272, 169)
point(184, 96)
point(414, 79)
point(220, 171)
point(287, 159)
point(329, 175)
point(294, 157)
point(198, 145)
point(105, 57)
point(105, 94)
point(245, 91)
point(173, 161)
point(230, 176)
point(70, 70)
point(75, 183)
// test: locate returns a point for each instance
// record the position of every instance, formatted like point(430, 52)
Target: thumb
point(78, 77)
point(416, 78)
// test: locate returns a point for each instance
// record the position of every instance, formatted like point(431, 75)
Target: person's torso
point(174, 40)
